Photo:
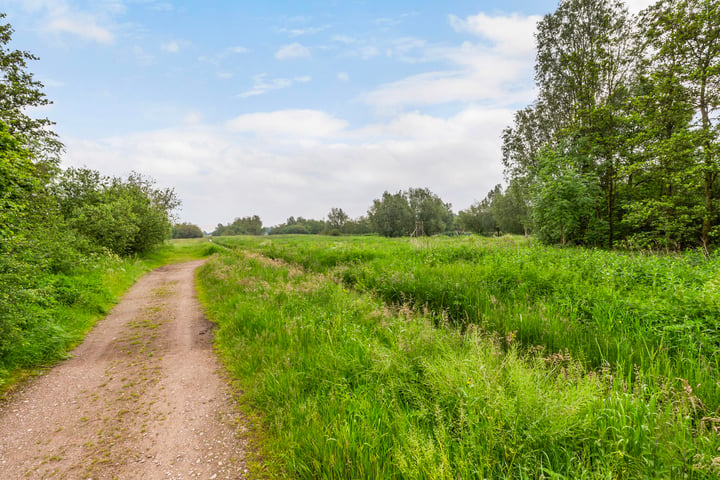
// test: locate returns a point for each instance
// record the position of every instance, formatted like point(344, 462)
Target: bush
point(186, 230)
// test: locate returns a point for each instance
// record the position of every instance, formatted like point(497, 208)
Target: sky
point(283, 108)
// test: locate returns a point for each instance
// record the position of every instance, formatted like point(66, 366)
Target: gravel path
point(142, 397)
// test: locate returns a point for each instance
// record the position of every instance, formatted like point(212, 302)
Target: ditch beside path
point(143, 397)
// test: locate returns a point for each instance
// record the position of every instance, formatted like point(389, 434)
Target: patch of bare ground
point(143, 397)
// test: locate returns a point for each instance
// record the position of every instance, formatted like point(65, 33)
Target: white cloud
point(237, 49)
point(87, 29)
point(512, 35)
point(60, 17)
point(171, 47)
point(294, 50)
point(261, 84)
point(298, 32)
point(262, 163)
point(497, 70)
point(217, 58)
point(288, 123)
point(343, 76)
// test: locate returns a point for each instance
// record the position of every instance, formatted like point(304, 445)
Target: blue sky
point(281, 108)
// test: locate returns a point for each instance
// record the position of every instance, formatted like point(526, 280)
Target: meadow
point(470, 357)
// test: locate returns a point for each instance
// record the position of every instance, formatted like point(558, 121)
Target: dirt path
point(142, 397)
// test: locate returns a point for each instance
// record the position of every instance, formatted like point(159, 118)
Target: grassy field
point(470, 357)
point(70, 303)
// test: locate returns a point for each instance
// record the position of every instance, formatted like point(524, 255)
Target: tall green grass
point(655, 313)
point(348, 387)
point(64, 306)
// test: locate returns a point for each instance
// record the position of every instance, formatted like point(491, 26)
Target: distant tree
point(434, 215)
point(186, 230)
point(477, 218)
point(299, 225)
point(392, 215)
point(241, 226)
point(337, 219)
point(358, 226)
point(510, 210)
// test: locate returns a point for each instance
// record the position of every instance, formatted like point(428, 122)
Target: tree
point(434, 215)
point(391, 216)
point(358, 226)
point(582, 70)
point(18, 92)
point(477, 218)
point(337, 219)
point(683, 39)
point(566, 199)
point(18, 181)
point(186, 230)
point(124, 216)
point(241, 226)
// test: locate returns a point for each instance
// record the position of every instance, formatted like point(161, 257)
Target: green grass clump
point(347, 387)
point(53, 310)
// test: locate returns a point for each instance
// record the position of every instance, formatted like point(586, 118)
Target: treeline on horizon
point(620, 148)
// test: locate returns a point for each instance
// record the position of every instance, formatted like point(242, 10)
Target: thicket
point(349, 387)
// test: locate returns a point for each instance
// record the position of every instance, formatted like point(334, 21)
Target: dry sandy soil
point(142, 397)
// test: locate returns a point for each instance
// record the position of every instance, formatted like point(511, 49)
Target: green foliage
point(627, 106)
point(348, 387)
point(125, 217)
point(391, 216)
point(186, 230)
point(417, 211)
point(241, 226)
point(498, 212)
point(566, 200)
point(434, 215)
point(358, 226)
point(19, 92)
point(18, 182)
point(337, 219)
point(300, 226)
point(478, 218)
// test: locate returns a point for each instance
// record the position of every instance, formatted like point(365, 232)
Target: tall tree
point(337, 218)
point(582, 70)
point(391, 215)
point(683, 40)
point(20, 91)
point(430, 211)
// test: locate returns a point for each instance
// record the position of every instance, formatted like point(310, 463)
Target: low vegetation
point(464, 358)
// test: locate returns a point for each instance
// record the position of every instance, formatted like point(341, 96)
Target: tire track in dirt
point(143, 397)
